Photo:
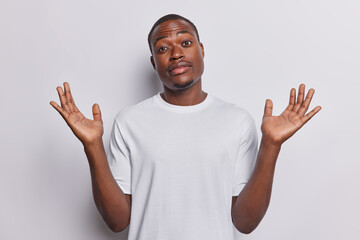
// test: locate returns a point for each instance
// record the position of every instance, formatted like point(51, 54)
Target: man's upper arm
point(128, 198)
point(232, 206)
point(233, 201)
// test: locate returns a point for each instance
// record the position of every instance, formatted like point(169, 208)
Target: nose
point(176, 54)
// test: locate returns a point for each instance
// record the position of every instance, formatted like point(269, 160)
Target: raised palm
point(86, 130)
point(278, 129)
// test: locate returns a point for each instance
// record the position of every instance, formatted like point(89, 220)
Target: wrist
point(269, 143)
point(268, 153)
point(93, 143)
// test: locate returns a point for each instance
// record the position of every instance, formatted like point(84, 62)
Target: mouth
point(179, 68)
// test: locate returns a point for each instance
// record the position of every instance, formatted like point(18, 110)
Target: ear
point(202, 49)
point(153, 62)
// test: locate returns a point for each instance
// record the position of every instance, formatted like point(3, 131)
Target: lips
point(179, 68)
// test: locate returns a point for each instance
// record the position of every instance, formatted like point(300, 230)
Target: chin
point(183, 85)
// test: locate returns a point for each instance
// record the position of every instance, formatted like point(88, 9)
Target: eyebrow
point(178, 33)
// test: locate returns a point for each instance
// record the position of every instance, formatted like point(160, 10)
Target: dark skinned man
point(183, 164)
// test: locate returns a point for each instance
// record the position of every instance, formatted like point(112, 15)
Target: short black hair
point(168, 18)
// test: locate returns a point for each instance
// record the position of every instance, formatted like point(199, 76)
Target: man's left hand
point(277, 129)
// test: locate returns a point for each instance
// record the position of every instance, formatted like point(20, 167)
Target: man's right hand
point(112, 203)
point(86, 130)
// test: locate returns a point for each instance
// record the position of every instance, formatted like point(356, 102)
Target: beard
point(183, 86)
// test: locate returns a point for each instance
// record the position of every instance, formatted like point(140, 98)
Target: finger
point(96, 112)
point(291, 99)
point(268, 108)
point(69, 98)
point(63, 113)
point(300, 97)
point(305, 106)
point(308, 116)
point(63, 100)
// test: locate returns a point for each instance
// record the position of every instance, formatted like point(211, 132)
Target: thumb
point(96, 112)
point(268, 108)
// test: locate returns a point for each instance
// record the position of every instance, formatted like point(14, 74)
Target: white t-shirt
point(182, 165)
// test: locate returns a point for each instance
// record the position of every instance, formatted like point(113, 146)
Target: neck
point(186, 97)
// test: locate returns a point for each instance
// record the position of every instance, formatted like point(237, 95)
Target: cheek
point(159, 62)
point(199, 61)
point(161, 67)
point(196, 55)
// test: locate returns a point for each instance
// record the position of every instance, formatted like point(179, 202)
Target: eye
point(186, 43)
point(162, 49)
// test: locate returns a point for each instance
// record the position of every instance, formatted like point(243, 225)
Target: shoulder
point(134, 111)
point(232, 110)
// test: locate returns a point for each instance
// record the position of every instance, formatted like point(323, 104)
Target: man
point(183, 164)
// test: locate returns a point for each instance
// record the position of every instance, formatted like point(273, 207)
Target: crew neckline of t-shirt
point(183, 109)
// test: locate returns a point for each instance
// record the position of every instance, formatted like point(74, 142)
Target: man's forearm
point(253, 201)
point(108, 196)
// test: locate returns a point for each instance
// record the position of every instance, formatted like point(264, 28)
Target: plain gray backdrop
point(254, 50)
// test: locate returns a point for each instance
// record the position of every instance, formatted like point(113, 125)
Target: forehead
point(170, 27)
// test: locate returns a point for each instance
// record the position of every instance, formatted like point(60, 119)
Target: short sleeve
point(246, 156)
point(119, 159)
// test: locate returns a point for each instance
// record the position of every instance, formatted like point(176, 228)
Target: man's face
point(177, 55)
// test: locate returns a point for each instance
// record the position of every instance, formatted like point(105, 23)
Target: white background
point(253, 50)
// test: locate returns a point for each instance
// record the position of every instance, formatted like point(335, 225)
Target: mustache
point(179, 64)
